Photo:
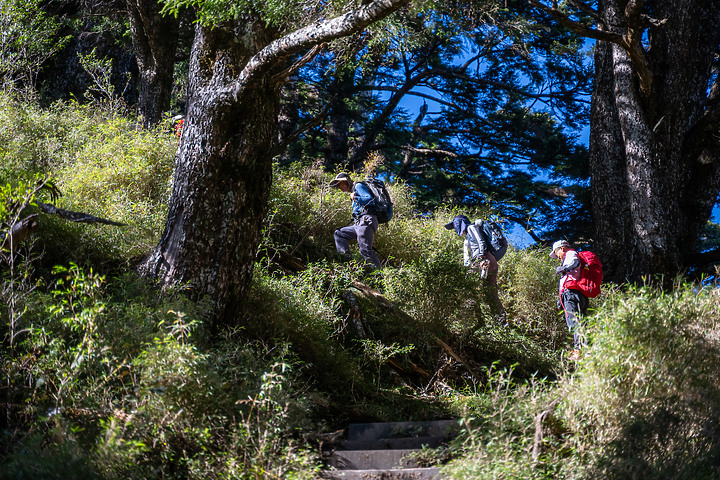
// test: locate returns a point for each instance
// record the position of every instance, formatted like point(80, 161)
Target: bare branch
point(434, 151)
point(282, 76)
point(416, 94)
point(631, 41)
point(312, 123)
point(578, 27)
point(584, 8)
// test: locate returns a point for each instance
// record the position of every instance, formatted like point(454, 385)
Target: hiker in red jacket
point(572, 300)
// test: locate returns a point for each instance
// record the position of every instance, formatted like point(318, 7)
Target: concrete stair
point(383, 451)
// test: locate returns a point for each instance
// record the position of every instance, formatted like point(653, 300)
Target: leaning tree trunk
point(655, 158)
point(223, 168)
point(154, 38)
point(222, 179)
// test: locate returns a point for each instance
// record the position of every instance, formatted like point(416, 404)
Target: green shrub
point(498, 437)
point(28, 139)
point(303, 312)
point(304, 212)
point(646, 394)
point(103, 165)
point(132, 379)
point(438, 292)
point(531, 293)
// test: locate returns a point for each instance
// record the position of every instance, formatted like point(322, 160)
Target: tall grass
point(111, 378)
point(641, 403)
point(102, 164)
point(648, 392)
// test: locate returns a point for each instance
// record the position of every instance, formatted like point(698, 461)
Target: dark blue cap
point(459, 223)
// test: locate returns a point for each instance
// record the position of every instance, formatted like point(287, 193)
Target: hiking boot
point(574, 356)
point(369, 269)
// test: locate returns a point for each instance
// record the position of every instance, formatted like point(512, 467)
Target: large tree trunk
point(224, 164)
point(222, 178)
point(655, 158)
point(154, 38)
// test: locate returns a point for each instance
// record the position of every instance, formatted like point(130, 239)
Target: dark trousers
point(575, 304)
point(362, 232)
point(493, 298)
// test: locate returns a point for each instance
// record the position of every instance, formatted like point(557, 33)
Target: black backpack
point(383, 203)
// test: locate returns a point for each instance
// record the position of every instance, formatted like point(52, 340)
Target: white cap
point(558, 244)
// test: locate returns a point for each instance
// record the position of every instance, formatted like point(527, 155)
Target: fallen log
point(25, 227)
point(77, 217)
point(19, 232)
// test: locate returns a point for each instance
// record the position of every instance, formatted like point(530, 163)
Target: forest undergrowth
point(106, 376)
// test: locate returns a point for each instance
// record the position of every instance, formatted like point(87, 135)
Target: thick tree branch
point(510, 88)
point(23, 228)
point(311, 35)
point(434, 151)
point(295, 67)
point(427, 152)
point(636, 26)
point(373, 130)
point(578, 27)
point(19, 231)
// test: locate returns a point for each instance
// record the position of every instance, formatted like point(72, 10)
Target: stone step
point(392, 443)
point(377, 431)
point(373, 459)
point(383, 451)
point(386, 474)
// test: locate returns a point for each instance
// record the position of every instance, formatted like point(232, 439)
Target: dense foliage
point(105, 376)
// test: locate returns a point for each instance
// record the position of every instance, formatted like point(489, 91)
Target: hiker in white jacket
point(480, 257)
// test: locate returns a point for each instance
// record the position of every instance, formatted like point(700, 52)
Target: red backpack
point(591, 275)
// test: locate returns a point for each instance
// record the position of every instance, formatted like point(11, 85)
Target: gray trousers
point(575, 304)
point(362, 232)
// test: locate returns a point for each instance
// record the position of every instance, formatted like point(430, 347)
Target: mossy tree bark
point(223, 166)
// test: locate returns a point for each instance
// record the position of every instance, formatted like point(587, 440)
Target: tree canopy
point(467, 107)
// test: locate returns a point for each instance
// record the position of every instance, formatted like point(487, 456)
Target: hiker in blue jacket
point(478, 254)
point(365, 223)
